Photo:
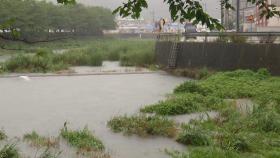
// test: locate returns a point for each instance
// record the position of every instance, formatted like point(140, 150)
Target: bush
point(143, 125)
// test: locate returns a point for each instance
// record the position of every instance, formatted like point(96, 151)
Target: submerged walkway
point(108, 68)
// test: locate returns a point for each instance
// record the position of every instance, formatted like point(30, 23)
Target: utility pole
point(222, 14)
point(153, 15)
point(238, 16)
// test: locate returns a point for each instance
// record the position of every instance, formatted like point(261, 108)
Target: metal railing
point(226, 37)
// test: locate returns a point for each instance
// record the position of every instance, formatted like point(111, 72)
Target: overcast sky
point(160, 9)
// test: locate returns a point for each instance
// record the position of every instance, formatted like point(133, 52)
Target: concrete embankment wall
point(222, 56)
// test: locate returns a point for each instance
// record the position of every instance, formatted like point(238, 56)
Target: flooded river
point(43, 104)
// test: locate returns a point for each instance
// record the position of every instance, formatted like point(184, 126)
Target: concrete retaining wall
point(222, 56)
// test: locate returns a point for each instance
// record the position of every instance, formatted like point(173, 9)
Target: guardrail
point(227, 37)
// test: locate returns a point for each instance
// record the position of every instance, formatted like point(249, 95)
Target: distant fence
point(226, 37)
point(219, 55)
point(151, 36)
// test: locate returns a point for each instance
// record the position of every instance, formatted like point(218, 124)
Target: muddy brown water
point(43, 104)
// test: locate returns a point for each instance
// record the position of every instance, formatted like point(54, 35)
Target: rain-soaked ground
point(43, 104)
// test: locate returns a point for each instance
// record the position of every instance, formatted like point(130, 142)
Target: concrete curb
point(73, 74)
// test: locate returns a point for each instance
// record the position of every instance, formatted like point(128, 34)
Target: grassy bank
point(40, 58)
point(234, 133)
point(210, 93)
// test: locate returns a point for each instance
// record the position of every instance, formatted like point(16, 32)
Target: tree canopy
point(190, 10)
point(41, 20)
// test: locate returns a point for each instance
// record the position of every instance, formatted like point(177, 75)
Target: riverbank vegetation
point(212, 92)
point(143, 125)
point(34, 139)
point(84, 140)
point(91, 53)
point(245, 130)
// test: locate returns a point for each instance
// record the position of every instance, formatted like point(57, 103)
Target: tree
point(188, 10)
point(35, 21)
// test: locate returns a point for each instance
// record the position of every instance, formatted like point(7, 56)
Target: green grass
point(39, 141)
point(84, 140)
point(3, 135)
point(184, 104)
point(9, 151)
point(254, 134)
point(91, 52)
point(79, 57)
point(205, 152)
point(210, 93)
point(246, 136)
point(45, 61)
point(193, 136)
point(143, 125)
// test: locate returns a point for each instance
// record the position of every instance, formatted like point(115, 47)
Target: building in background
point(250, 20)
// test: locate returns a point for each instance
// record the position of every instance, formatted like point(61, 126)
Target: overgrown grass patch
point(210, 93)
point(184, 104)
point(233, 132)
point(143, 125)
point(84, 140)
point(40, 62)
point(91, 53)
point(39, 141)
point(234, 85)
point(79, 57)
point(45, 61)
point(205, 152)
